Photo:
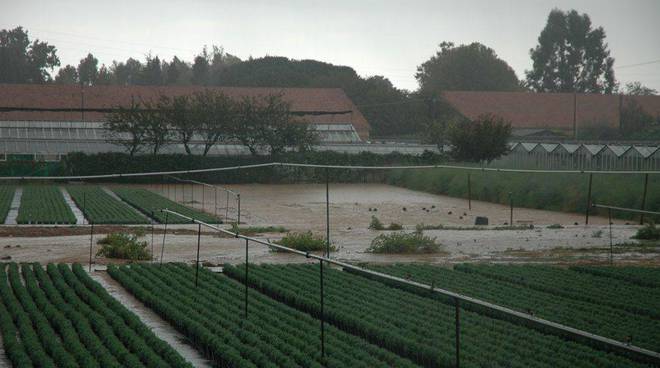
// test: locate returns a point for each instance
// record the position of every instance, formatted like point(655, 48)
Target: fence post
point(199, 234)
point(609, 216)
point(458, 332)
point(203, 195)
point(215, 201)
point(91, 243)
point(227, 206)
point(238, 221)
point(511, 209)
point(246, 278)
point(646, 185)
point(152, 236)
point(322, 314)
point(469, 192)
point(84, 207)
point(162, 249)
point(327, 212)
point(586, 215)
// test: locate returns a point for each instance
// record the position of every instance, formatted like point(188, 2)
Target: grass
point(450, 227)
point(404, 243)
point(253, 230)
point(648, 232)
point(123, 246)
point(304, 242)
point(376, 224)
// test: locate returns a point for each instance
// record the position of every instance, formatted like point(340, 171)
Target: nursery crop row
point(636, 275)
point(595, 318)
point(274, 335)
point(44, 205)
point(417, 327)
point(576, 285)
point(151, 204)
point(100, 207)
point(6, 195)
point(62, 318)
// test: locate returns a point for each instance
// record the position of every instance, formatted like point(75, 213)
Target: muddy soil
point(302, 207)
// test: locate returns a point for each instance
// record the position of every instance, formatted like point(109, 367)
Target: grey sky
point(387, 38)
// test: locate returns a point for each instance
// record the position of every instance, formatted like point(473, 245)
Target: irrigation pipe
point(343, 167)
point(632, 351)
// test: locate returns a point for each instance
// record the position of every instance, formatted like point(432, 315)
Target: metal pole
point(246, 278)
point(511, 209)
point(238, 222)
point(469, 193)
point(215, 201)
point(84, 206)
point(91, 243)
point(586, 216)
point(609, 216)
point(152, 236)
point(199, 235)
point(327, 212)
point(646, 185)
point(162, 249)
point(322, 314)
point(458, 332)
point(227, 206)
point(203, 202)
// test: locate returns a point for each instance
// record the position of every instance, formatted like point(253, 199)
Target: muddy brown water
point(301, 207)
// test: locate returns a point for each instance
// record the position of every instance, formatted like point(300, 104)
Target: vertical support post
point(162, 248)
point(469, 193)
point(246, 278)
point(646, 186)
point(152, 236)
point(238, 221)
point(215, 201)
point(327, 212)
point(84, 206)
point(458, 332)
point(322, 314)
point(203, 194)
point(586, 215)
point(91, 244)
point(609, 217)
point(511, 209)
point(199, 235)
point(227, 206)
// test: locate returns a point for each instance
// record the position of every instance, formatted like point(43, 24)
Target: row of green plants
point(636, 275)
point(588, 316)
point(575, 285)
point(100, 207)
point(6, 195)
point(44, 204)
point(556, 192)
point(151, 204)
point(62, 318)
point(416, 327)
point(211, 316)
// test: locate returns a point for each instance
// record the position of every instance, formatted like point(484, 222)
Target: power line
point(638, 64)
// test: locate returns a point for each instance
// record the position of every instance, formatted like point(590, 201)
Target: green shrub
point(377, 225)
point(648, 232)
point(555, 226)
point(252, 230)
point(401, 242)
point(305, 242)
point(123, 246)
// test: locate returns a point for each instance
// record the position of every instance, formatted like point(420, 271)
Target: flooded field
point(302, 207)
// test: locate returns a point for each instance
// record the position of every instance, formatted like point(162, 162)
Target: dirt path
point(160, 327)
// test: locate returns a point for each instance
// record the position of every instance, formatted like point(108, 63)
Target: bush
point(377, 225)
point(252, 230)
point(555, 226)
point(402, 242)
point(648, 232)
point(305, 242)
point(123, 246)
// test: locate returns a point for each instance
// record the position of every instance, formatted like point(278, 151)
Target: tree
point(127, 73)
point(67, 75)
point(483, 139)
point(215, 115)
point(571, 56)
point(177, 72)
point(88, 71)
point(23, 61)
point(126, 122)
point(151, 74)
point(633, 118)
point(104, 77)
point(157, 132)
point(472, 67)
point(200, 69)
point(637, 89)
point(177, 113)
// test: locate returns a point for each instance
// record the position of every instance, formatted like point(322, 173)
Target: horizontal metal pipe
point(644, 354)
point(626, 209)
point(202, 183)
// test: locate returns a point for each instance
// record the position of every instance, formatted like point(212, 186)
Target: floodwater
point(302, 207)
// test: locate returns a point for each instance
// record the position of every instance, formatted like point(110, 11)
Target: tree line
point(207, 118)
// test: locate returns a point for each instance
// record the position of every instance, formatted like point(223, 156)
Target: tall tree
point(638, 89)
point(200, 69)
point(178, 114)
point(127, 122)
point(151, 74)
point(481, 140)
point(104, 76)
point(88, 70)
point(177, 72)
point(571, 56)
point(25, 61)
point(127, 73)
point(215, 115)
point(67, 75)
point(472, 67)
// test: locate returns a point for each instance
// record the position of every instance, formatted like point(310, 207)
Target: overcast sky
point(378, 37)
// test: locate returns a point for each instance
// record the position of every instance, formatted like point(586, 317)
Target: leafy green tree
point(177, 72)
point(571, 56)
point(215, 117)
point(200, 69)
point(157, 131)
point(104, 76)
point(634, 119)
point(88, 71)
point(472, 67)
point(481, 140)
point(126, 73)
point(67, 75)
point(638, 89)
point(126, 122)
point(177, 113)
point(25, 61)
point(152, 73)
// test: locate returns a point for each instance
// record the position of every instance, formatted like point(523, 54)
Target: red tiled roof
point(71, 96)
point(548, 110)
